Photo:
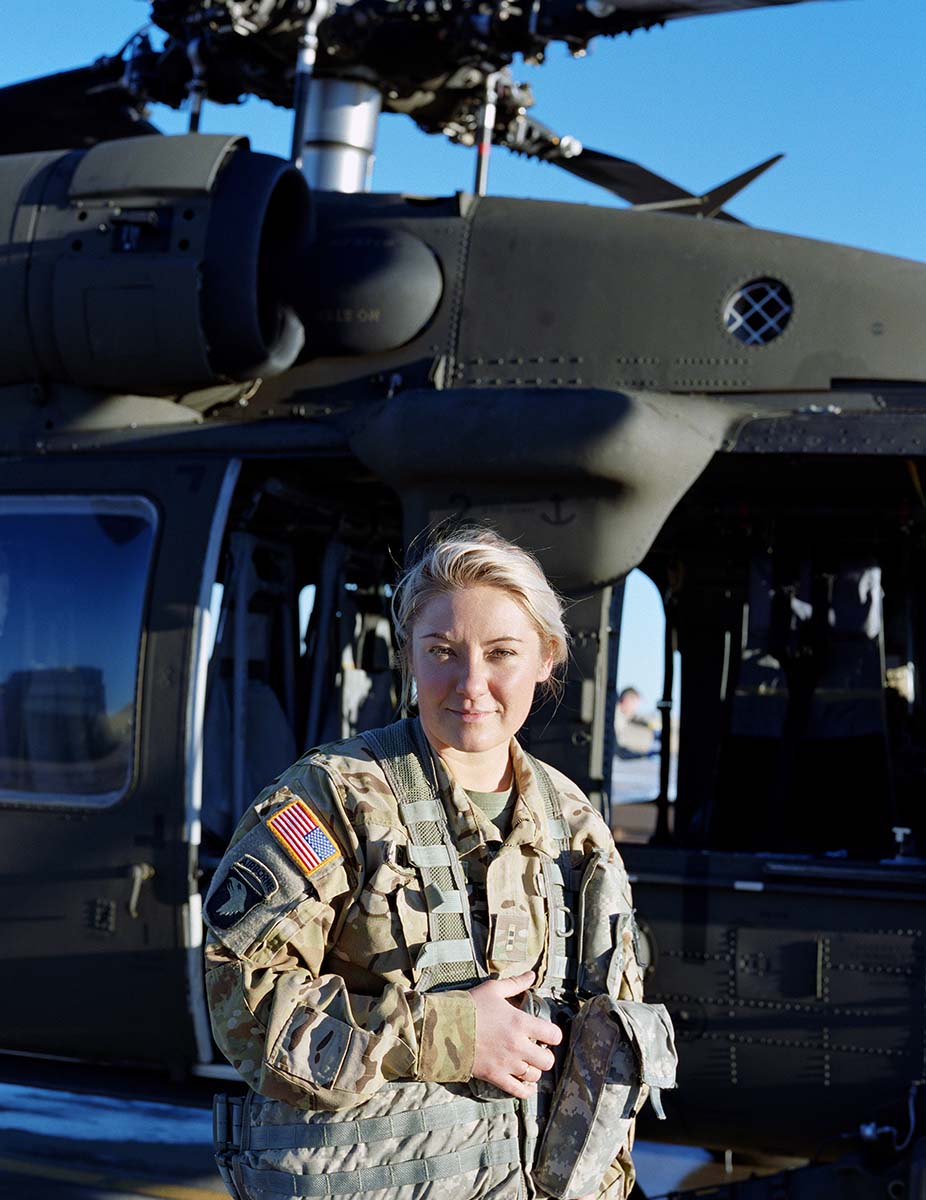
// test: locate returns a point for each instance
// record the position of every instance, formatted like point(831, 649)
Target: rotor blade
point(647, 191)
point(579, 23)
point(668, 10)
point(711, 203)
point(717, 197)
point(623, 178)
point(70, 110)
point(638, 185)
point(624, 15)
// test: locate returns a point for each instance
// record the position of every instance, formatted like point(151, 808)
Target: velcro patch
point(510, 938)
point(303, 836)
point(249, 882)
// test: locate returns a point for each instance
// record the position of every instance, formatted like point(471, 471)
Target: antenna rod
point(197, 89)
point(486, 129)
point(334, 119)
point(305, 65)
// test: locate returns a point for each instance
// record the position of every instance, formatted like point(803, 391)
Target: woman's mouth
point(472, 716)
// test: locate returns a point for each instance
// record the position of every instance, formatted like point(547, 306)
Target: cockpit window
point(73, 578)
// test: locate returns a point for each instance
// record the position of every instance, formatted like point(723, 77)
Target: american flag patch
point(302, 836)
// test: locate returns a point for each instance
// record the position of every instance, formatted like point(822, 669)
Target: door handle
point(139, 873)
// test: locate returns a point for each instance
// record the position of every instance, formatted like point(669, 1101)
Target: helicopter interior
point(303, 650)
point(799, 630)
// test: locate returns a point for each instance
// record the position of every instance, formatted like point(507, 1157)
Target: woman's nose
point(471, 680)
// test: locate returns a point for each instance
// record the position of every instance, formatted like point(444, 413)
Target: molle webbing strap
point(505, 1152)
point(426, 856)
point(555, 823)
point(376, 1129)
point(448, 958)
point(561, 969)
point(560, 966)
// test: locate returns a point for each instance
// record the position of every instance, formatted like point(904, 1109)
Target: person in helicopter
point(633, 734)
point(392, 958)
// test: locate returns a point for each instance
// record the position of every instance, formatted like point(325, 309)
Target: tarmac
point(72, 1131)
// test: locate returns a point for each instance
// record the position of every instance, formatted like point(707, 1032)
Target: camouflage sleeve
point(292, 1029)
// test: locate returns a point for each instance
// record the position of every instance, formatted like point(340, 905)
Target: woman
point(393, 954)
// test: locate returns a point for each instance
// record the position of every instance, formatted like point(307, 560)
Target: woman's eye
point(500, 652)
point(440, 651)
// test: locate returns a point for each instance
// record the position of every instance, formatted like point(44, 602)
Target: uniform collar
point(530, 807)
point(472, 829)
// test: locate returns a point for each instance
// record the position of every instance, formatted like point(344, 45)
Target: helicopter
point(237, 386)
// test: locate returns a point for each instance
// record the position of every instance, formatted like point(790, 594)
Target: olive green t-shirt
point(497, 806)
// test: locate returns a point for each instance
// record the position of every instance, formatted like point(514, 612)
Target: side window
point(73, 579)
point(639, 727)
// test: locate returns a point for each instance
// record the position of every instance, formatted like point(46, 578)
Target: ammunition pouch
point(605, 927)
point(620, 1051)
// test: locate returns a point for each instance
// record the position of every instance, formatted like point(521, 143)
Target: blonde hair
point(475, 556)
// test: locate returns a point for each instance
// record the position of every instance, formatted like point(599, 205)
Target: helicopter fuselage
point(738, 413)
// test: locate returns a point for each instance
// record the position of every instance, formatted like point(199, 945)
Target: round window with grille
point(758, 311)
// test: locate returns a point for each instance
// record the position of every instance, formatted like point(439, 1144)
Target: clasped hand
point(511, 1045)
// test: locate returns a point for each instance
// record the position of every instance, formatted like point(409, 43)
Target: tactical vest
point(468, 1139)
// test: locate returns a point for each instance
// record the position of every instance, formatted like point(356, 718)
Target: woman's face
point(476, 658)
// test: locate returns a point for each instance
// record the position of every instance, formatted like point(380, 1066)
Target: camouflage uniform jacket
point(294, 945)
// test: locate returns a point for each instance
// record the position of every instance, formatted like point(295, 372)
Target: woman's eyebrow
point(447, 637)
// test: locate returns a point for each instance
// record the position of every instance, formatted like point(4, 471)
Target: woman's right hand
point(511, 1046)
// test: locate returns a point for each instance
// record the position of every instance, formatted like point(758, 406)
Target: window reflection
point(73, 577)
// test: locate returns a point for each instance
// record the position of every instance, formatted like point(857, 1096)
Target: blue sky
point(837, 85)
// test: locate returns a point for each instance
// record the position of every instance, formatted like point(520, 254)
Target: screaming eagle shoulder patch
point(248, 883)
point(303, 836)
